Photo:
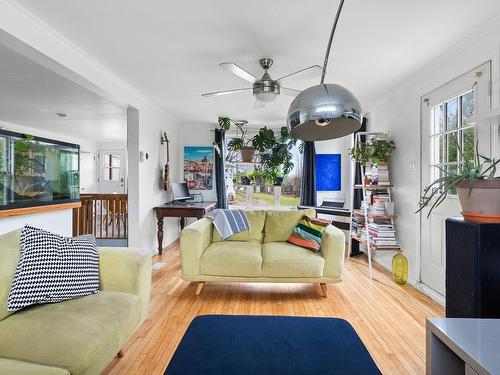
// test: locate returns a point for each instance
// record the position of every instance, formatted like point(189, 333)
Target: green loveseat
point(80, 336)
point(260, 254)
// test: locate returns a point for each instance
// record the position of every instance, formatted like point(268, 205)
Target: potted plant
point(380, 150)
point(275, 153)
point(477, 187)
point(375, 152)
point(240, 143)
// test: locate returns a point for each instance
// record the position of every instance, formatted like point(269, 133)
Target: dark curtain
point(308, 185)
point(358, 193)
point(220, 173)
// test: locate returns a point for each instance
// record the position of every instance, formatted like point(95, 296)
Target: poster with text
point(199, 167)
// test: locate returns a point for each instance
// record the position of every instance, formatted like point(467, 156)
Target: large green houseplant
point(477, 186)
point(275, 153)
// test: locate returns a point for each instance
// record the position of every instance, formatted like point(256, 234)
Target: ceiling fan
point(265, 89)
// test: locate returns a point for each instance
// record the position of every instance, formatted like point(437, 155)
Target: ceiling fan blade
point(258, 104)
point(311, 70)
point(239, 71)
point(225, 92)
point(290, 92)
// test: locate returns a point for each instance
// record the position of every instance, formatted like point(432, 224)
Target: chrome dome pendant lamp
point(325, 111)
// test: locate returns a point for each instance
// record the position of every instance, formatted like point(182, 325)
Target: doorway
point(444, 128)
point(112, 171)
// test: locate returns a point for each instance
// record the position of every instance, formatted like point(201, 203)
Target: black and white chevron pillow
point(53, 268)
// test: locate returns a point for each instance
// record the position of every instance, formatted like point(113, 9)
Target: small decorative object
point(198, 167)
point(478, 188)
point(400, 268)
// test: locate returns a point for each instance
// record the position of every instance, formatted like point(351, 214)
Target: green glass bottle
point(400, 268)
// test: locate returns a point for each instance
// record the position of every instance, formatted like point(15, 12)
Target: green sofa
point(260, 254)
point(80, 336)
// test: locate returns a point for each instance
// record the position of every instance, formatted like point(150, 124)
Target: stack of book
point(378, 203)
point(382, 235)
point(358, 223)
point(383, 175)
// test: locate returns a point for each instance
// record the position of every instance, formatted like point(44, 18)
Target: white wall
point(338, 146)
point(26, 34)
point(399, 115)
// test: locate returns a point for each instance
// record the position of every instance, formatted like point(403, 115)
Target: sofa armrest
point(333, 250)
point(126, 270)
point(12, 366)
point(195, 238)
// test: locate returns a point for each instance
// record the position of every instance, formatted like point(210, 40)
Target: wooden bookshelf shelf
point(373, 187)
point(371, 216)
point(360, 240)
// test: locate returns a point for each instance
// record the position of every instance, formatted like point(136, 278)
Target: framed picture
point(199, 167)
point(328, 172)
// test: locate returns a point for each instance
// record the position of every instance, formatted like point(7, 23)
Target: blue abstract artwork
point(328, 172)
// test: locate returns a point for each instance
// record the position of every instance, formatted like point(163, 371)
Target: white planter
point(249, 195)
point(277, 196)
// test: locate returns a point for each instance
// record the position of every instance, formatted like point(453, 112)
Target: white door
point(112, 168)
point(87, 172)
point(444, 125)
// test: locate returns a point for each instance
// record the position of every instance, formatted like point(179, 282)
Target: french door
point(445, 129)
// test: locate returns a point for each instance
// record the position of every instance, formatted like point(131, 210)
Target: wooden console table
point(181, 210)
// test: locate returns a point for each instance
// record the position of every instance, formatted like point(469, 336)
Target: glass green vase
point(400, 268)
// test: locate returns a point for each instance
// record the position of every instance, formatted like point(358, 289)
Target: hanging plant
point(275, 153)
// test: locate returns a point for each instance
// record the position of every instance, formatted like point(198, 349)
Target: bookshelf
point(372, 224)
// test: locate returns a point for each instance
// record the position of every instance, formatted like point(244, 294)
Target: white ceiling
point(170, 50)
point(31, 95)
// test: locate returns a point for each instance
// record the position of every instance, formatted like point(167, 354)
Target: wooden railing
point(103, 215)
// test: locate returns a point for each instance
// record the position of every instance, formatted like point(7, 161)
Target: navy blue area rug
point(261, 345)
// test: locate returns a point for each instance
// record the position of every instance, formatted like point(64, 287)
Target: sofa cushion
point(280, 224)
point(256, 219)
point(281, 259)
point(232, 258)
point(8, 366)
point(80, 335)
point(53, 268)
point(9, 256)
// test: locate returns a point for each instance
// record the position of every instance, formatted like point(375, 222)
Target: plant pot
point(247, 154)
point(482, 203)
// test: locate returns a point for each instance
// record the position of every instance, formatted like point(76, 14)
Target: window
point(448, 129)
point(111, 167)
point(239, 175)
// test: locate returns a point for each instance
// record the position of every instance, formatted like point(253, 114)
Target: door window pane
point(452, 114)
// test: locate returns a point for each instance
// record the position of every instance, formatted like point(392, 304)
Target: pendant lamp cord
point(330, 41)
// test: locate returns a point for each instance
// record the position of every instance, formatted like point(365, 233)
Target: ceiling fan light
point(266, 97)
point(324, 111)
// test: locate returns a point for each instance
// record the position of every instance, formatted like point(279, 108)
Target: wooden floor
point(390, 319)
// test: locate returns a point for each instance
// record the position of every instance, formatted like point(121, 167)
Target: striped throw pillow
point(307, 233)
